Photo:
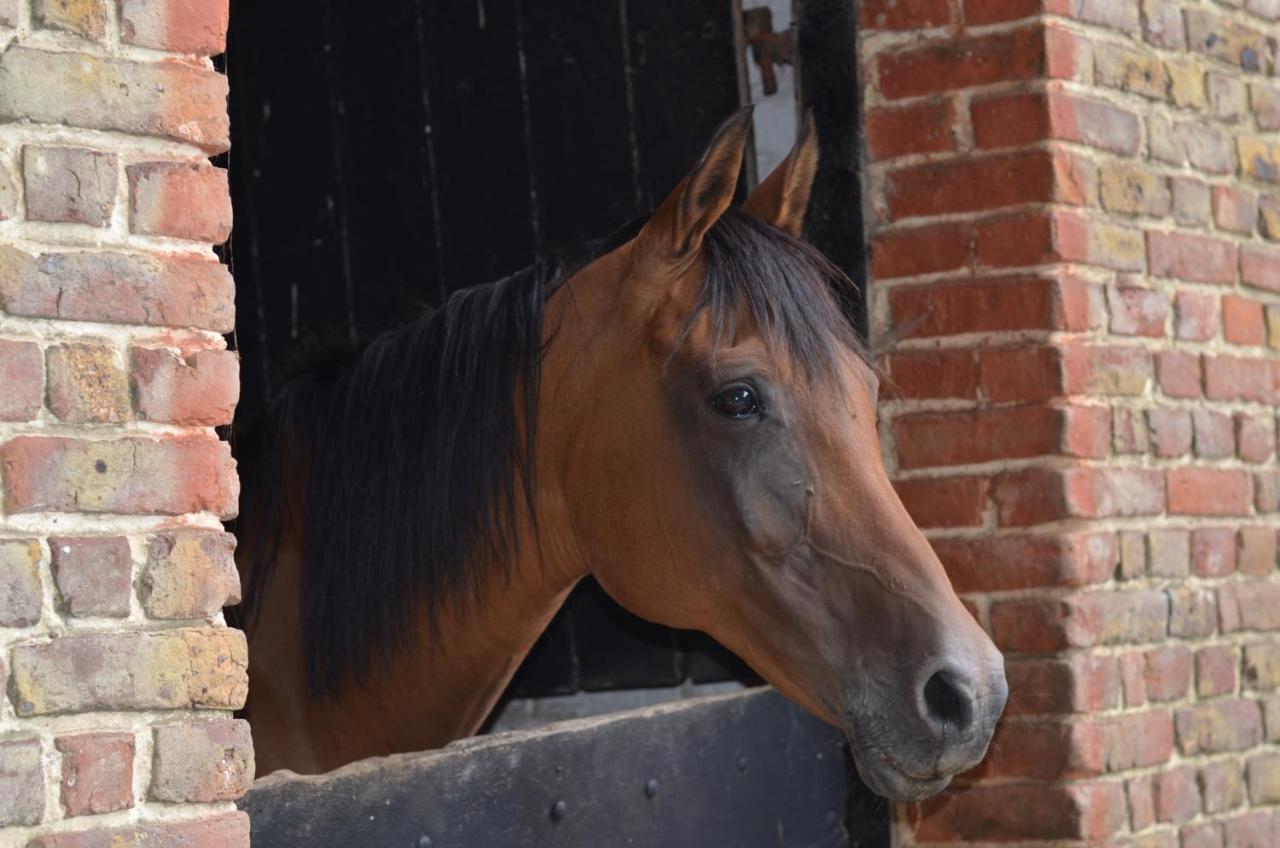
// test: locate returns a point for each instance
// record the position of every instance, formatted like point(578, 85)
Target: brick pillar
point(1076, 209)
point(119, 671)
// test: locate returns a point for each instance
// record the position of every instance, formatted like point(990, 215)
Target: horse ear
point(704, 194)
point(783, 197)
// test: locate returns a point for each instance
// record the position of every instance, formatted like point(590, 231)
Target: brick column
point(1076, 209)
point(119, 671)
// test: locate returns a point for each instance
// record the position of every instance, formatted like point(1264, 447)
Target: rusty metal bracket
point(768, 47)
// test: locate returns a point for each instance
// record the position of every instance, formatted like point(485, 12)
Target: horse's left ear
point(677, 228)
point(783, 197)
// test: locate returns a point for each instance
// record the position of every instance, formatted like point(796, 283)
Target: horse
point(681, 410)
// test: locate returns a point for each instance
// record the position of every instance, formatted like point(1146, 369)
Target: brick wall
point(1077, 216)
point(119, 671)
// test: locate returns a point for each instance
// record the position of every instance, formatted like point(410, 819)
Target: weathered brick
point(1272, 317)
point(1166, 676)
point(165, 670)
point(9, 13)
point(1269, 217)
point(1186, 83)
point(1257, 551)
point(1191, 204)
point(1234, 378)
point(1213, 551)
point(1032, 497)
point(924, 127)
point(1249, 606)
point(1264, 779)
point(21, 782)
point(1221, 38)
point(85, 384)
point(1136, 71)
point(171, 99)
point(1133, 555)
point(1196, 317)
point(1266, 491)
point(189, 575)
point(1259, 158)
point(1162, 24)
point(1234, 209)
point(1193, 612)
point(180, 199)
point(69, 184)
point(1106, 370)
point(1264, 100)
point(228, 830)
point(97, 772)
point(1214, 434)
point(1221, 786)
point(1217, 726)
point(1208, 835)
point(1261, 666)
point(1177, 797)
point(85, 18)
point(1041, 625)
point(1208, 491)
point(179, 26)
point(20, 592)
point(157, 289)
point(1188, 257)
point(1228, 97)
point(167, 476)
point(1024, 812)
point(94, 574)
point(1080, 683)
point(1256, 436)
point(1215, 671)
point(1129, 432)
point(1142, 807)
point(1259, 829)
point(1133, 190)
point(1178, 373)
point(1260, 267)
point(202, 761)
point(198, 388)
point(1169, 552)
point(1200, 145)
point(956, 438)
point(22, 375)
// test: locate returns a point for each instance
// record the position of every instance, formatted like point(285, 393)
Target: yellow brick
point(1130, 70)
point(1186, 84)
point(1259, 158)
point(85, 18)
point(1134, 190)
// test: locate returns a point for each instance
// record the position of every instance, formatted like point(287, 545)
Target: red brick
point(22, 375)
point(1166, 675)
point(1177, 796)
point(1021, 373)
point(1169, 552)
point(1242, 321)
point(1217, 726)
point(1024, 812)
point(921, 250)
point(1257, 551)
point(1256, 435)
point(1214, 434)
point(1142, 807)
point(202, 761)
point(1208, 491)
point(944, 501)
point(1232, 378)
point(1213, 551)
point(939, 373)
point(1266, 491)
point(180, 199)
point(1249, 606)
point(959, 438)
point(1106, 370)
point(227, 830)
point(969, 185)
point(1138, 311)
point(1082, 683)
point(1215, 671)
point(1178, 373)
point(1041, 625)
point(198, 388)
point(69, 185)
point(1260, 267)
point(1025, 498)
point(925, 127)
point(1009, 120)
point(179, 26)
point(97, 772)
point(94, 574)
point(1021, 119)
point(167, 476)
point(1129, 433)
point(1191, 204)
point(978, 305)
point(1133, 676)
point(1108, 13)
point(966, 63)
point(979, 12)
point(1197, 318)
point(1202, 836)
point(1170, 431)
point(156, 289)
point(1259, 829)
point(175, 100)
point(1234, 209)
point(1264, 779)
point(1003, 563)
point(1187, 257)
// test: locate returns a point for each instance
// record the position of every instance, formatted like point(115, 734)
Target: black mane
point(413, 446)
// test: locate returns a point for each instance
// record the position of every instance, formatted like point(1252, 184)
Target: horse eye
point(737, 401)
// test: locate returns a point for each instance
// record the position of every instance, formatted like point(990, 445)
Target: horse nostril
point(946, 703)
